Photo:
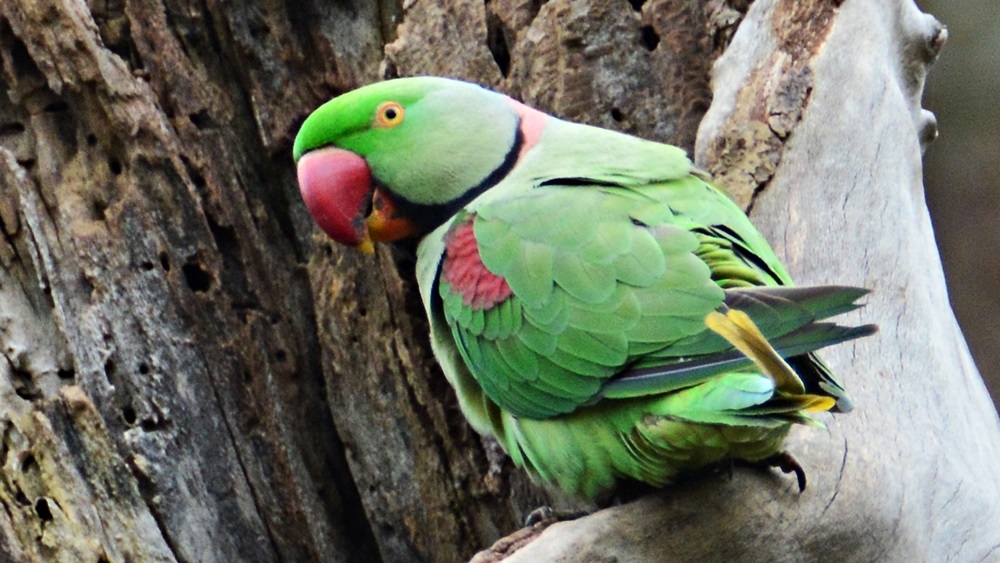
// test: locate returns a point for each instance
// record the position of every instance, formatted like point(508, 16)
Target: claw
point(538, 515)
point(547, 515)
point(787, 464)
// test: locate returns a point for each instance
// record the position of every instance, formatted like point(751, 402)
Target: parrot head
point(396, 159)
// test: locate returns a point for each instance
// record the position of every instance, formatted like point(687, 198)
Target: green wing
point(583, 296)
point(604, 279)
point(615, 250)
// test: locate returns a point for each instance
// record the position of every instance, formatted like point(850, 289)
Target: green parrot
point(600, 308)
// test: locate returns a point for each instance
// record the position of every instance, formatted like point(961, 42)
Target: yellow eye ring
point(389, 114)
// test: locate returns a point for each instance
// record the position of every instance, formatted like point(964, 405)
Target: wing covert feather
point(580, 293)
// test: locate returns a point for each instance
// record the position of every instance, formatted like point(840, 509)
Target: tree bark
point(191, 373)
point(162, 387)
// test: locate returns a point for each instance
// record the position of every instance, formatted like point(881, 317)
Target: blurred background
point(962, 171)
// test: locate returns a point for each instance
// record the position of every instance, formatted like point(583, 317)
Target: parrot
point(599, 307)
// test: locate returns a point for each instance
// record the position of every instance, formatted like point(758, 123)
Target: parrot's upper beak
point(338, 191)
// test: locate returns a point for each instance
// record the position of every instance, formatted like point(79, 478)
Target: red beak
point(337, 188)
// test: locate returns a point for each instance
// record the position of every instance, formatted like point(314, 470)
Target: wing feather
point(607, 280)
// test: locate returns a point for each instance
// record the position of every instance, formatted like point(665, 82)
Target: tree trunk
point(191, 373)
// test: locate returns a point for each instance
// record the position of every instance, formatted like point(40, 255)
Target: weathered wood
point(162, 389)
point(191, 373)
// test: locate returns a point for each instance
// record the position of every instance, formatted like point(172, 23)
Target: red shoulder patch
point(465, 272)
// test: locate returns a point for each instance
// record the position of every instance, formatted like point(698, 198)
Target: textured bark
point(191, 373)
point(162, 389)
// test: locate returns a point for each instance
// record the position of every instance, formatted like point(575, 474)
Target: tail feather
point(784, 404)
point(740, 331)
point(694, 362)
point(819, 335)
point(777, 311)
point(822, 301)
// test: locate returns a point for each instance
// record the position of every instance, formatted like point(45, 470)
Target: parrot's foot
point(546, 516)
point(787, 464)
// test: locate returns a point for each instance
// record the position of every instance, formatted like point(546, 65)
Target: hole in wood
point(197, 278)
point(25, 392)
point(29, 463)
point(66, 374)
point(42, 509)
point(129, 415)
point(23, 384)
point(259, 29)
point(196, 178)
point(201, 119)
point(225, 237)
point(150, 425)
point(281, 355)
point(650, 39)
point(11, 129)
point(497, 44)
point(144, 368)
point(23, 62)
point(617, 115)
point(165, 261)
point(56, 107)
point(100, 209)
point(637, 4)
point(146, 266)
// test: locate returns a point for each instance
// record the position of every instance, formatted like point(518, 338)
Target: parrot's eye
point(389, 114)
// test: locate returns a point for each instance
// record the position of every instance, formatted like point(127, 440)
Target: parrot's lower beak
point(338, 191)
point(385, 224)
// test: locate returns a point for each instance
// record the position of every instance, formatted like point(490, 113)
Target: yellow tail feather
point(740, 331)
point(819, 403)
